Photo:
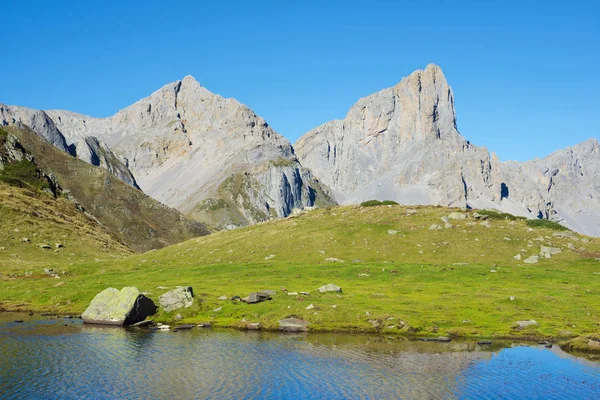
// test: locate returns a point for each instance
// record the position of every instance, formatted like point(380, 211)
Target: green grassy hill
point(137, 220)
point(397, 274)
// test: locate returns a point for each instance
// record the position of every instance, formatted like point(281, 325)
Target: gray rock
point(184, 327)
point(548, 252)
point(253, 326)
point(114, 307)
point(448, 226)
point(334, 259)
point(181, 297)
point(441, 339)
point(524, 324)
point(293, 325)
point(223, 297)
point(329, 288)
point(45, 246)
point(517, 257)
point(256, 297)
point(457, 215)
point(435, 227)
point(532, 260)
point(269, 292)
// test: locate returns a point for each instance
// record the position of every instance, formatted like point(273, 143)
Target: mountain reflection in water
point(41, 358)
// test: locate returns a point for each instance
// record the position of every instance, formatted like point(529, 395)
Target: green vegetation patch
point(544, 223)
point(493, 214)
point(374, 203)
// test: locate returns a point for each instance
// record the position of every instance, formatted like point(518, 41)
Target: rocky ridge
point(402, 144)
point(209, 157)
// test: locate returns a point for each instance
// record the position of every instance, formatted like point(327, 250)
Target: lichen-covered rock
point(548, 252)
point(114, 307)
point(181, 297)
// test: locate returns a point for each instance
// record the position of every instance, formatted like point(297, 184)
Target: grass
point(494, 214)
point(134, 218)
point(398, 277)
point(544, 223)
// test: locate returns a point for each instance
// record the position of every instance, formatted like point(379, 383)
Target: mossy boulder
point(114, 307)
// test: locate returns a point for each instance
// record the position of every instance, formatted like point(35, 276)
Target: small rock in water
point(484, 343)
point(204, 325)
point(183, 327)
point(293, 325)
point(253, 326)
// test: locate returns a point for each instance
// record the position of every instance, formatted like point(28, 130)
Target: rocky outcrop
point(37, 120)
point(114, 307)
point(402, 144)
point(95, 152)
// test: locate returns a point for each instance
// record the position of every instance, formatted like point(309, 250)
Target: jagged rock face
point(92, 151)
point(402, 144)
point(183, 143)
point(37, 120)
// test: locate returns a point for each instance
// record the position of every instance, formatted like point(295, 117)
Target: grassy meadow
point(397, 275)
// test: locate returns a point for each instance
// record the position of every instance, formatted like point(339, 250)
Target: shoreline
point(574, 345)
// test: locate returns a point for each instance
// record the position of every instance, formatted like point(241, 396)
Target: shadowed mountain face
point(402, 144)
point(209, 157)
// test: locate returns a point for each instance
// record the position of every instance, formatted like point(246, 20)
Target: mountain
point(402, 144)
point(210, 157)
point(132, 217)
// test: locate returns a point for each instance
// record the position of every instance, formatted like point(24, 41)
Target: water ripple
point(44, 359)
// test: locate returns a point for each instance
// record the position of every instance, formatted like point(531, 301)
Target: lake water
point(43, 359)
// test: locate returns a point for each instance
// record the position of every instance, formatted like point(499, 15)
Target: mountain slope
point(402, 144)
point(185, 144)
point(137, 220)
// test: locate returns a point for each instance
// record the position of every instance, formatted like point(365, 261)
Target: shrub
point(493, 214)
point(373, 203)
point(544, 223)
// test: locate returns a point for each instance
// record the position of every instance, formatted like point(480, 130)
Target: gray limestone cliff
point(210, 157)
point(402, 144)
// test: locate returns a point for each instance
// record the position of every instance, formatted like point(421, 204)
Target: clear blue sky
point(525, 74)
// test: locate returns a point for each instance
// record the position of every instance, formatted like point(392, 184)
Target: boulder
point(114, 307)
point(524, 324)
point(457, 215)
point(330, 288)
point(253, 326)
point(256, 297)
point(532, 260)
point(548, 252)
point(182, 297)
point(293, 325)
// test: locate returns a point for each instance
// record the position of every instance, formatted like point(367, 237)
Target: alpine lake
point(61, 358)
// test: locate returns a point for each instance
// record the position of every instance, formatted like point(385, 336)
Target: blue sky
point(525, 74)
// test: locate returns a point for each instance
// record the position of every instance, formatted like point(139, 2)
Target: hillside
point(137, 220)
point(31, 218)
point(397, 274)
